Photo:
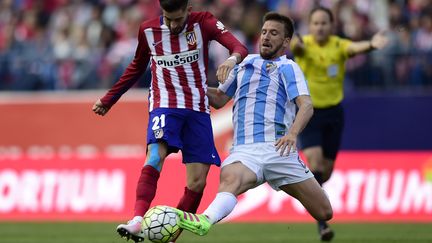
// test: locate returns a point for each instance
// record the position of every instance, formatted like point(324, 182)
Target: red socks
point(190, 201)
point(146, 189)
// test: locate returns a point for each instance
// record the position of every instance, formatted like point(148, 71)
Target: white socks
point(221, 206)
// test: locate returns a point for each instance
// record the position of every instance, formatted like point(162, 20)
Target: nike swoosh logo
point(213, 156)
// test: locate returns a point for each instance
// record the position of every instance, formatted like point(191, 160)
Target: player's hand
point(286, 143)
point(298, 41)
point(379, 40)
point(99, 108)
point(224, 69)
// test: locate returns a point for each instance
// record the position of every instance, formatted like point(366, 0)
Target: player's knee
point(326, 175)
point(325, 178)
point(316, 165)
point(230, 182)
point(197, 183)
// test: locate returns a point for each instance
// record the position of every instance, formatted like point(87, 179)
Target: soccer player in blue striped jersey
point(266, 88)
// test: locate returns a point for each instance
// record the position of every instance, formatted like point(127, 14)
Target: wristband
point(234, 58)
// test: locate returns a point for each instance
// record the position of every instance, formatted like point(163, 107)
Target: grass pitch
point(13, 232)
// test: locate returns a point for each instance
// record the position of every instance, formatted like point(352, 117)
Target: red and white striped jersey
point(178, 63)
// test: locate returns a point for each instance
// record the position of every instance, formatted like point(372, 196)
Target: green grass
point(222, 233)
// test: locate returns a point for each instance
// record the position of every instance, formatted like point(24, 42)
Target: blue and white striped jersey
point(263, 93)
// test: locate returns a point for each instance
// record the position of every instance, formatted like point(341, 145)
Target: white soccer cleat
point(132, 230)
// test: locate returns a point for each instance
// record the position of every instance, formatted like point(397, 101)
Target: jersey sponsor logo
point(191, 38)
point(221, 27)
point(64, 190)
point(178, 59)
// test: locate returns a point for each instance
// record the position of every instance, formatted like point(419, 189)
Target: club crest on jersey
point(158, 133)
point(191, 38)
point(270, 67)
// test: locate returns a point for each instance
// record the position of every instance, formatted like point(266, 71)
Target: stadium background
point(60, 162)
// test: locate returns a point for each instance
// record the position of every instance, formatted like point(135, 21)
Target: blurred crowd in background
point(87, 44)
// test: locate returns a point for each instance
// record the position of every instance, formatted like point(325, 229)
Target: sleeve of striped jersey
point(132, 73)
point(294, 80)
point(220, 33)
point(229, 87)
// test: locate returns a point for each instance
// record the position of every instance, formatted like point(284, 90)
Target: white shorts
point(268, 165)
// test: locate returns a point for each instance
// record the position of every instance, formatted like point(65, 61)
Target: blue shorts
point(186, 130)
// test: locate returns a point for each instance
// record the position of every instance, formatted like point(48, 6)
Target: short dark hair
point(324, 9)
point(173, 5)
point(286, 21)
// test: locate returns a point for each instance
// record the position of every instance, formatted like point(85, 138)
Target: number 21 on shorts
point(158, 124)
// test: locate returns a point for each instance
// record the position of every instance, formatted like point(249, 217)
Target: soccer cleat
point(132, 230)
point(196, 223)
point(326, 234)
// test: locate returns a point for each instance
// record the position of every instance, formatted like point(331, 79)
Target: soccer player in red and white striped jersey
point(176, 45)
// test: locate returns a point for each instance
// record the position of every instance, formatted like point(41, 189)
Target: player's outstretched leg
point(324, 231)
point(196, 223)
point(132, 230)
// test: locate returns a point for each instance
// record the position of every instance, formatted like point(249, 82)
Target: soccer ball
point(160, 224)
